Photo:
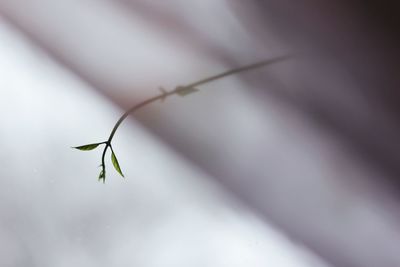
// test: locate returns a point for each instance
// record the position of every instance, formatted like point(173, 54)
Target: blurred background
point(295, 164)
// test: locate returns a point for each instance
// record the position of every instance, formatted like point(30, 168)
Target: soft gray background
point(54, 212)
point(303, 149)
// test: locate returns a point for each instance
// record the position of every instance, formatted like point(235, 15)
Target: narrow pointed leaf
point(184, 91)
point(116, 164)
point(88, 147)
point(102, 175)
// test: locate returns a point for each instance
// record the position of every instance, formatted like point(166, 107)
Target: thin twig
point(179, 90)
point(165, 94)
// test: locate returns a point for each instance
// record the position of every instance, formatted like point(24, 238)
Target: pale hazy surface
point(242, 173)
point(54, 212)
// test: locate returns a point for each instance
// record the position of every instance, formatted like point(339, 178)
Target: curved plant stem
point(136, 107)
point(164, 94)
point(179, 90)
point(237, 70)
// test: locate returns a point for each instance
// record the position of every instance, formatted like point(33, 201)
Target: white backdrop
point(207, 175)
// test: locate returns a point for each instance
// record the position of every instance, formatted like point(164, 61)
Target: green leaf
point(184, 91)
point(88, 147)
point(116, 164)
point(102, 175)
